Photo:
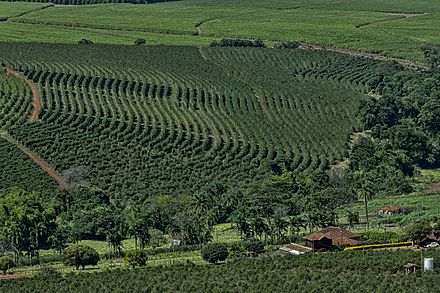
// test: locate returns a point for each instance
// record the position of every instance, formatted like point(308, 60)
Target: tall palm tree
point(364, 194)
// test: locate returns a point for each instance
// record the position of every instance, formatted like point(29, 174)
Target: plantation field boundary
point(306, 46)
point(36, 95)
point(37, 160)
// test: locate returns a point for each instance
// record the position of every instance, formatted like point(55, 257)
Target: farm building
point(392, 209)
point(331, 237)
point(295, 249)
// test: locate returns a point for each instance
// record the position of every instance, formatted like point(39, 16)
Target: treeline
point(85, 2)
point(402, 130)
point(366, 271)
point(238, 43)
point(273, 211)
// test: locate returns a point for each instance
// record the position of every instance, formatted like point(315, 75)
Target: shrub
point(138, 42)
point(85, 42)
point(237, 251)
point(418, 231)
point(136, 258)
point(48, 272)
point(214, 252)
point(80, 256)
point(254, 247)
point(6, 263)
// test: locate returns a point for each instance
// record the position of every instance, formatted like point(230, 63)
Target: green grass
point(361, 25)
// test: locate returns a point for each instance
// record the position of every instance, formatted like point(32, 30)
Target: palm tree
point(364, 194)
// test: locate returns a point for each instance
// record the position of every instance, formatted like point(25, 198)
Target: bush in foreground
point(80, 256)
point(136, 258)
point(5, 264)
point(214, 252)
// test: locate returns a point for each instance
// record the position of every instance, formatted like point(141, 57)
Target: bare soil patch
point(14, 276)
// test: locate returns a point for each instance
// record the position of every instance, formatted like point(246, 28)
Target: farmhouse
point(391, 209)
point(331, 237)
point(295, 249)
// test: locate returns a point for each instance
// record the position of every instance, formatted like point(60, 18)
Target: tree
point(436, 230)
point(5, 264)
point(138, 42)
point(26, 220)
point(136, 258)
point(214, 252)
point(80, 256)
point(432, 54)
point(418, 231)
point(353, 218)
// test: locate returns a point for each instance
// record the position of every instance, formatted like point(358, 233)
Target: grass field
point(390, 27)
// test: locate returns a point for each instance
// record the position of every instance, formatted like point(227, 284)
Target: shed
point(295, 249)
point(391, 209)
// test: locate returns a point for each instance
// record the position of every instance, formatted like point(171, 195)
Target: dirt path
point(36, 95)
point(435, 187)
point(198, 26)
point(37, 160)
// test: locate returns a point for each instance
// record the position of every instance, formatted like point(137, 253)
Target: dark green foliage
point(85, 42)
point(254, 247)
point(369, 271)
point(140, 42)
point(5, 264)
point(214, 252)
point(136, 258)
point(418, 231)
point(432, 54)
point(17, 170)
point(80, 256)
point(238, 43)
point(201, 120)
point(26, 221)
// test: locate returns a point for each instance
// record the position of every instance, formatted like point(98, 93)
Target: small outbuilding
point(295, 249)
point(392, 209)
point(331, 237)
point(410, 268)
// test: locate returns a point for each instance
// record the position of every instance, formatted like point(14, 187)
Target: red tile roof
point(337, 235)
point(391, 208)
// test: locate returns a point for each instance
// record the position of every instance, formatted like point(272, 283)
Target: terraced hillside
point(149, 120)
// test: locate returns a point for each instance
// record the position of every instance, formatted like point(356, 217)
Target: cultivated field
point(187, 116)
point(394, 28)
